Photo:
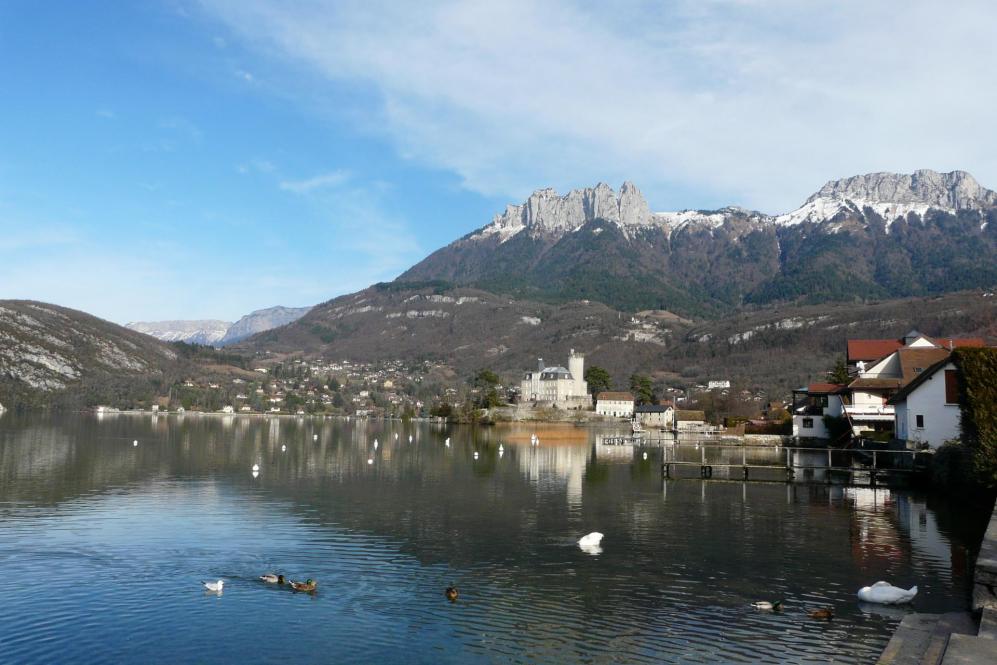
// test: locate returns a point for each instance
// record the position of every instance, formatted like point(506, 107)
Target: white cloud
point(733, 101)
point(321, 181)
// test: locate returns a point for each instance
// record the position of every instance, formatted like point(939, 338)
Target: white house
point(655, 416)
point(812, 403)
point(927, 409)
point(560, 386)
point(228, 409)
point(718, 385)
point(615, 404)
point(690, 421)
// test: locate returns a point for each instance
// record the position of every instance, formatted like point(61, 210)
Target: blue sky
point(202, 159)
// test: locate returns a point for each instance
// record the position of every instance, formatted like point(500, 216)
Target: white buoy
point(370, 460)
point(135, 442)
point(283, 448)
point(256, 467)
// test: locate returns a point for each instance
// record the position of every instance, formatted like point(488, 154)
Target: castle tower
point(576, 365)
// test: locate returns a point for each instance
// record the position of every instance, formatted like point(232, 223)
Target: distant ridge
point(220, 333)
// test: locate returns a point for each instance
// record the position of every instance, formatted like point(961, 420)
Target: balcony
point(869, 412)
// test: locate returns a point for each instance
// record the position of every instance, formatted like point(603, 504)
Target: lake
point(104, 544)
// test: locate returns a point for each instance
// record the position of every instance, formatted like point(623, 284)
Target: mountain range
point(219, 333)
point(875, 236)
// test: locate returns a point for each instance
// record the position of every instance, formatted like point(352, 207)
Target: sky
point(196, 159)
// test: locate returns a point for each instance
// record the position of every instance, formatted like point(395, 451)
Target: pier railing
point(739, 462)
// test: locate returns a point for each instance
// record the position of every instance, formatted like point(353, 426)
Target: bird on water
point(452, 593)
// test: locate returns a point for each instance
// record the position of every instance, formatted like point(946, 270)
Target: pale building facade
point(564, 387)
point(927, 410)
point(615, 404)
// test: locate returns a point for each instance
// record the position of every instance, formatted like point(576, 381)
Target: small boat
point(636, 428)
point(885, 593)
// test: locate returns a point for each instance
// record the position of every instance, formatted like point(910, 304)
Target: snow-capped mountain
point(869, 236)
point(207, 332)
point(220, 333)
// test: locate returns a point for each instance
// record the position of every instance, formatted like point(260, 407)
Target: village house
point(927, 408)
point(615, 404)
point(689, 421)
point(877, 370)
point(654, 416)
point(557, 386)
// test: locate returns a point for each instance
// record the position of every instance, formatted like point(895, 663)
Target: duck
point(824, 613)
point(452, 593)
point(214, 586)
point(885, 593)
point(768, 606)
point(270, 578)
point(308, 585)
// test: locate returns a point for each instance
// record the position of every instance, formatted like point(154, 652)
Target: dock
point(851, 466)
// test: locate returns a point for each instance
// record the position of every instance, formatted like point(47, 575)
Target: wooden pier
point(828, 465)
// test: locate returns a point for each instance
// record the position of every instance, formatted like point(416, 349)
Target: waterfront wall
point(985, 578)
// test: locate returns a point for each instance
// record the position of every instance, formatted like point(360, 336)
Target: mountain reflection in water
point(118, 537)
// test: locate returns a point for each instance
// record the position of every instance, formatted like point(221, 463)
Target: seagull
point(256, 467)
point(475, 454)
point(396, 436)
point(370, 460)
point(447, 441)
point(375, 444)
point(135, 442)
point(283, 448)
point(314, 437)
point(214, 586)
point(410, 438)
point(590, 544)
point(256, 474)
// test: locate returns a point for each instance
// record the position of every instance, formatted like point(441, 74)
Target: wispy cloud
point(321, 181)
point(736, 101)
point(107, 114)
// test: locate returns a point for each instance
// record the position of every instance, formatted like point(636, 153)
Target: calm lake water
point(103, 545)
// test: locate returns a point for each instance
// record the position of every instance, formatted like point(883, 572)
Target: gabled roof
point(615, 396)
point(921, 378)
point(874, 384)
point(871, 349)
point(652, 408)
point(913, 362)
point(825, 388)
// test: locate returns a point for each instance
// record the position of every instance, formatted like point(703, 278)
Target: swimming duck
point(774, 606)
point(307, 585)
point(270, 578)
point(451, 593)
point(214, 586)
point(825, 613)
point(885, 593)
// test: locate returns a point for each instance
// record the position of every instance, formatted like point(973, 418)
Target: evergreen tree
point(598, 379)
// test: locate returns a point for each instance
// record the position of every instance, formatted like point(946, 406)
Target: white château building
point(558, 386)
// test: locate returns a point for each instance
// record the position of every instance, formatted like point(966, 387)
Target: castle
point(557, 386)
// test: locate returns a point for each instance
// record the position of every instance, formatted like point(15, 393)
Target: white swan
point(214, 586)
point(885, 593)
point(591, 543)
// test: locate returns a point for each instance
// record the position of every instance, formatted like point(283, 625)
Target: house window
point(808, 423)
point(951, 387)
point(919, 421)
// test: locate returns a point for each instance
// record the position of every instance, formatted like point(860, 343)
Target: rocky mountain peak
point(954, 190)
point(547, 211)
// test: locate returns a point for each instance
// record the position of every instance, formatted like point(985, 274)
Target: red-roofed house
point(864, 401)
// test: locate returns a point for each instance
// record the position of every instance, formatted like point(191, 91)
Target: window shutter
point(951, 387)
